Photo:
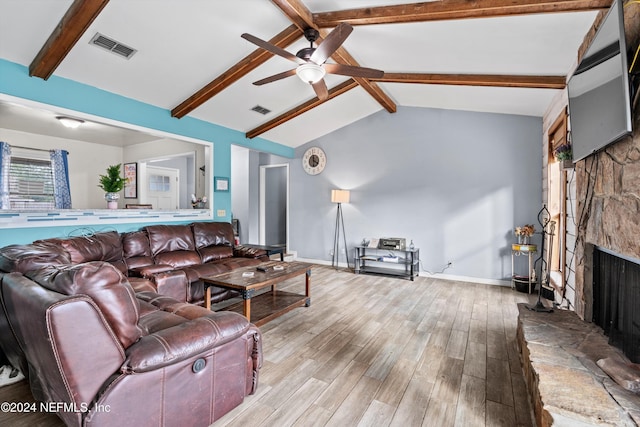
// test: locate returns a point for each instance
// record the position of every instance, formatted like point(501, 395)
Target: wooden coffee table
point(260, 308)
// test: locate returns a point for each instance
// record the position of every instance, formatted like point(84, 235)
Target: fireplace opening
point(616, 300)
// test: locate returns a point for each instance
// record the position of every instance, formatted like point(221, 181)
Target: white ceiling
point(183, 45)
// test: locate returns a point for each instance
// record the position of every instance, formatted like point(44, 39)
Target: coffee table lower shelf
point(269, 305)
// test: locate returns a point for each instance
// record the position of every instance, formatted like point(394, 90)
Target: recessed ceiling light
point(69, 122)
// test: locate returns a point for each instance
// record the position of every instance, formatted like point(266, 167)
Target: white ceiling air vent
point(112, 46)
point(260, 109)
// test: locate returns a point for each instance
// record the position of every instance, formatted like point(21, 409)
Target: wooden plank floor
point(376, 351)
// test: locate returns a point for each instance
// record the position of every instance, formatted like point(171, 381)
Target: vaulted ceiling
point(498, 56)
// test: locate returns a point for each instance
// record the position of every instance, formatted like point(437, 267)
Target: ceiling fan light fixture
point(69, 122)
point(310, 73)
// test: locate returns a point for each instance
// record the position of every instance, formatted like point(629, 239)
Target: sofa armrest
point(181, 342)
point(246, 252)
point(174, 284)
point(149, 270)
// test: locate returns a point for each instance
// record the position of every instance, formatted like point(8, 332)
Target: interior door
point(274, 201)
point(163, 189)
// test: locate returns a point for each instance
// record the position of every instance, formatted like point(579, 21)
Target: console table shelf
point(403, 263)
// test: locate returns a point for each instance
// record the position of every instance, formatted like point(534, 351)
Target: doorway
point(163, 189)
point(168, 182)
point(274, 205)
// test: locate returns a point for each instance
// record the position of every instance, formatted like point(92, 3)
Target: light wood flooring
point(377, 351)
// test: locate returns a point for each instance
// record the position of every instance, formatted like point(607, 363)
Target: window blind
point(31, 184)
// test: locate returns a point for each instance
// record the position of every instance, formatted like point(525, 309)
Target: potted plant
point(112, 183)
point(564, 154)
point(524, 233)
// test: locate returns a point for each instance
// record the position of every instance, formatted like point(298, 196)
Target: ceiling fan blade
point(331, 43)
point(275, 77)
point(272, 48)
point(349, 70)
point(320, 88)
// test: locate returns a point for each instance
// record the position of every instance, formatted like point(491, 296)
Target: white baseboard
point(483, 281)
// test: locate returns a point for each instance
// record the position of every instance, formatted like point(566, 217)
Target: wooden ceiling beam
point(71, 27)
point(343, 87)
point(492, 80)
point(453, 9)
point(236, 72)
point(341, 56)
point(299, 14)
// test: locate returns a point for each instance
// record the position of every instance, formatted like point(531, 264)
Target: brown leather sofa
point(107, 328)
point(167, 259)
point(97, 353)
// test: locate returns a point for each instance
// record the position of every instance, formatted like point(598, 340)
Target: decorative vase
point(523, 240)
point(112, 200)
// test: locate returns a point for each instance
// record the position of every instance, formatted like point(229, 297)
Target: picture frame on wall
point(221, 183)
point(131, 180)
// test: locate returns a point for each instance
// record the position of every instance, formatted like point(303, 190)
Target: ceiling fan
point(311, 60)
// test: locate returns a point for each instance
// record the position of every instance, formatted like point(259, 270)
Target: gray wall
point(276, 206)
point(454, 182)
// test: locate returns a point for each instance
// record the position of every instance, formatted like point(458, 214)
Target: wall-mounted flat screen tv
point(599, 98)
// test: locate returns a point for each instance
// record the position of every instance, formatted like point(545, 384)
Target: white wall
point(86, 162)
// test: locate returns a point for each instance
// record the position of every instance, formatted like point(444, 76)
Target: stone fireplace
point(608, 193)
point(616, 298)
point(573, 374)
point(608, 212)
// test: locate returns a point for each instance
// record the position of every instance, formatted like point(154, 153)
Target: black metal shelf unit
point(404, 263)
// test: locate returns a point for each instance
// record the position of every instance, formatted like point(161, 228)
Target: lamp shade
point(310, 72)
point(340, 196)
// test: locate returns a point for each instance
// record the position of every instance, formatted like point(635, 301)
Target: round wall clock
point(314, 160)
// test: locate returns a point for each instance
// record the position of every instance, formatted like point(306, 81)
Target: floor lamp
point(339, 197)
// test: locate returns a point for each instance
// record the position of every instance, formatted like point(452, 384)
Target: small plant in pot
point(564, 154)
point(112, 183)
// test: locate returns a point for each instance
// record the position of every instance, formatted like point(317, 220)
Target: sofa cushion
point(105, 246)
point(170, 238)
point(214, 253)
point(136, 250)
point(178, 259)
point(107, 287)
point(22, 258)
point(212, 234)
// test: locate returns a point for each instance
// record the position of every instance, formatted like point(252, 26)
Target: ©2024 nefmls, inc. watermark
point(51, 407)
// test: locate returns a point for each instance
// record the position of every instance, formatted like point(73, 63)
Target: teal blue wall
point(69, 94)
point(28, 235)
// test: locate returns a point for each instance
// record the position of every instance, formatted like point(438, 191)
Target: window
point(559, 198)
point(159, 183)
point(31, 183)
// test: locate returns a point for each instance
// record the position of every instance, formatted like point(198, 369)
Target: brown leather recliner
point(104, 355)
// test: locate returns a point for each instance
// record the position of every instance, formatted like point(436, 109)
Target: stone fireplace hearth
point(559, 357)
